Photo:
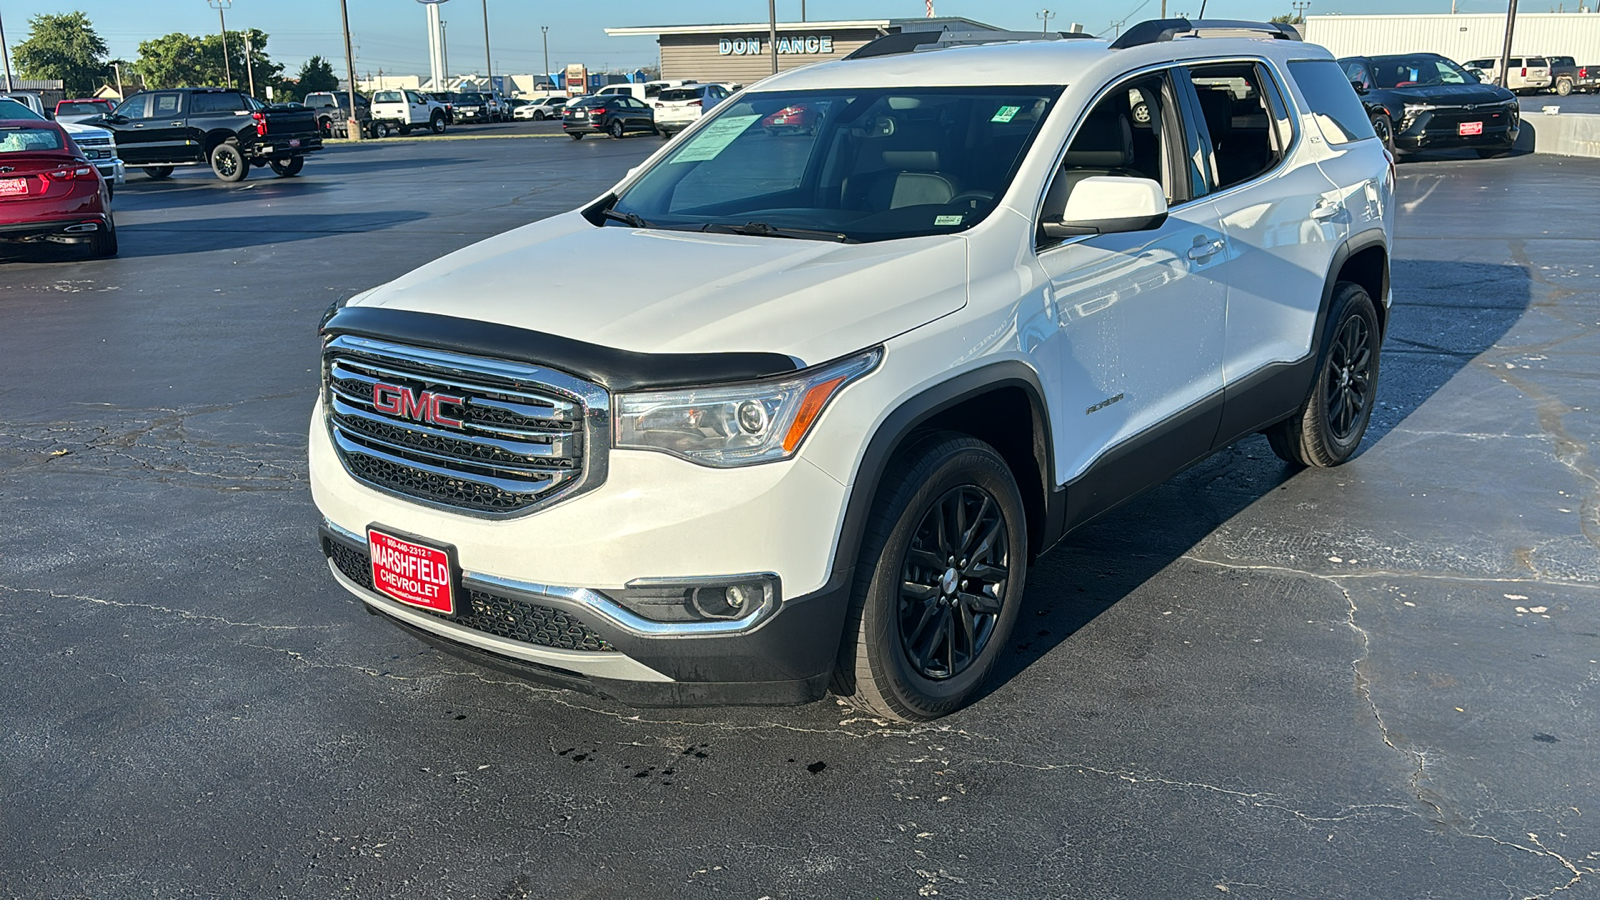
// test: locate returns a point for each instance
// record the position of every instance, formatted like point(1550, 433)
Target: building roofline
point(762, 27)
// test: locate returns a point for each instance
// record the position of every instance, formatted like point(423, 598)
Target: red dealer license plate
point(1467, 128)
point(411, 572)
point(11, 187)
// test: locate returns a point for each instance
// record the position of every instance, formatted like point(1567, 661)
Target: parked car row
point(1534, 74)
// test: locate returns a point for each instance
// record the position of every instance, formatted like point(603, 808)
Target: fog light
point(735, 597)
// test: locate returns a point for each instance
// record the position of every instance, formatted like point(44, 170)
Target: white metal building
point(1459, 37)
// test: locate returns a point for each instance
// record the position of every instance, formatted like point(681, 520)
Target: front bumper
point(1440, 130)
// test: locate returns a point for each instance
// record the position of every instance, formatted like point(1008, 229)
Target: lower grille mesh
point(505, 617)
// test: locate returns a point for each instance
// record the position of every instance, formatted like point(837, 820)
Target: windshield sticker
point(948, 220)
point(1006, 114)
point(714, 138)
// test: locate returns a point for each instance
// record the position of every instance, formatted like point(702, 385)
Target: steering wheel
point(968, 196)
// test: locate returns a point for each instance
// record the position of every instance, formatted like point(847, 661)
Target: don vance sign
point(813, 44)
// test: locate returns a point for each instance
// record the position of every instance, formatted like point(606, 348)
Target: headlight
point(1416, 109)
point(736, 425)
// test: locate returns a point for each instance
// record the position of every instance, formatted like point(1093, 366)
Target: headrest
point(1105, 141)
point(912, 160)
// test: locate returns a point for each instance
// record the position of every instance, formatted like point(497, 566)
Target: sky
point(391, 35)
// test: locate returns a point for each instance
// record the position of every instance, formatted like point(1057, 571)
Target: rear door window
point(1333, 101)
point(165, 104)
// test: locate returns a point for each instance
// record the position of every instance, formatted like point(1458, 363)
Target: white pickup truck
point(405, 110)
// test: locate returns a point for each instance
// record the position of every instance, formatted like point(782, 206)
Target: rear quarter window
point(1332, 100)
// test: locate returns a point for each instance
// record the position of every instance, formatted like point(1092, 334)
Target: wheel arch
point(1364, 259)
point(1001, 404)
point(213, 138)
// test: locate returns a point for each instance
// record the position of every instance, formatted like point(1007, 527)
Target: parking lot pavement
point(1376, 680)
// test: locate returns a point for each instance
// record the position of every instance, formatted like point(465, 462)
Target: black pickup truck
point(229, 130)
point(1567, 76)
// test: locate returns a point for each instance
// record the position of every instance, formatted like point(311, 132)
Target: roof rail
point(1156, 30)
point(913, 41)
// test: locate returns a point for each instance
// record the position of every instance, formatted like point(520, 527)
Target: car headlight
point(1416, 109)
point(740, 424)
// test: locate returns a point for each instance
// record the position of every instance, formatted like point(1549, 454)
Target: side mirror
point(1109, 204)
point(1360, 86)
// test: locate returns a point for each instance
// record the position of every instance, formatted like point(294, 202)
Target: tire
point(575, 135)
point(373, 131)
point(1385, 131)
point(616, 129)
point(103, 244)
point(1330, 423)
point(436, 123)
point(405, 129)
point(156, 173)
point(228, 163)
point(538, 116)
point(901, 655)
point(1492, 152)
point(1563, 87)
point(325, 125)
point(666, 135)
point(290, 168)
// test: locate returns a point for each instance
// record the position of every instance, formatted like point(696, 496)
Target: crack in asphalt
point(179, 613)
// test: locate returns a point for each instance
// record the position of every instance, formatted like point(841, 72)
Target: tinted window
point(216, 103)
point(1416, 71)
point(11, 109)
point(78, 109)
point(165, 105)
point(318, 101)
point(674, 94)
point(24, 140)
point(1241, 125)
point(1333, 101)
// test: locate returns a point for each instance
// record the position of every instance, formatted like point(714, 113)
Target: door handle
point(1207, 249)
point(178, 124)
point(1326, 210)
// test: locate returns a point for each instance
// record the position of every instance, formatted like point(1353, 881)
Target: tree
point(315, 75)
point(1295, 19)
point(173, 60)
point(181, 60)
point(64, 46)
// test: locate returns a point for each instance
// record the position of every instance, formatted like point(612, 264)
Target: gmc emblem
point(419, 407)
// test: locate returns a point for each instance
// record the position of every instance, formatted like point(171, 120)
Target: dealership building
point(743, 53)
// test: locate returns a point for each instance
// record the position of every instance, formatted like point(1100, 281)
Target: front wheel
point(616, 129)
point(939, 581)
point(1384, 129)
point(436, 123)
point(156, 173)
point(538, 117)
point(1331, 422)
point(228, 163)
point(288, 168)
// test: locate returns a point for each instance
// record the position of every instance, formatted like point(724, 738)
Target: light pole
point(1505, 51)
point(227, 67)
point(249, 70)
point(546, 30)
point(772, 32)
point(1045, 15)
point(1300, 7)
point(5, 54)
point(121, 95)
point(352, 125)
point(444, 50)
point(488, 67)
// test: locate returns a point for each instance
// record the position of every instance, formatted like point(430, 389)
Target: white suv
point(862, 375)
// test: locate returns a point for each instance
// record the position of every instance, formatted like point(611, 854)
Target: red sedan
point(50, 191)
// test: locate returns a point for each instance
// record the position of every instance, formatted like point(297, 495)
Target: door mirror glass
point(1110, 204)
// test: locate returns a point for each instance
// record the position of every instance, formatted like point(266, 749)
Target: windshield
point(11, 109)
point(847, 165)
point(1417, 71)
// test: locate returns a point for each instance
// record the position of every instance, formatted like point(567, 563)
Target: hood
point(74, 129)
point(1447, 94)
point(653, 291)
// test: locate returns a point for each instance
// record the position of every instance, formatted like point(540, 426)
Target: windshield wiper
point(763, 229)
point(624, 217)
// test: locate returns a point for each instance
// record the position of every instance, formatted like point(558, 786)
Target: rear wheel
point(157, 173)
point(228, 163)
point(405, 129)
point(575, 135)
point(1331, 422)
point(1564, 87)
point(939, 582)
point(290, 167)
point(103, 244)
point(615, 129)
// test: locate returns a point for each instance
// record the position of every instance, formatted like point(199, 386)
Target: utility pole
point(772, 31)
point(444, 50)
point(488, 67)
point(227, 66)
point(1505, 51)
point(352, 125)
point(546, 30)
point(802, 10)
point(1045, 16)
point(121, 95)
point(249, 70)
point(5, 54)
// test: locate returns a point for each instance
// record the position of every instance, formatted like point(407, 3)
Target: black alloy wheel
point(953, 583)
point(1328, 427)
point(288, 168)
point(1349, 378)
point(616, 128)
point(1385, 131)
point(228, 163)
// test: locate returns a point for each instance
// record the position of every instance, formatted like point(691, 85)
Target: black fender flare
point(915, 412)
point(1352, 246)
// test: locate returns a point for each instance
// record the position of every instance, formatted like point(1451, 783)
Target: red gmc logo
point(420, 407)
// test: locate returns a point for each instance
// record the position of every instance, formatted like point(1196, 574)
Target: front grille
point(506, 617)
point(487, 437)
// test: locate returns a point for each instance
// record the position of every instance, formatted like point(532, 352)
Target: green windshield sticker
point(949, 220)
point(714, 138)
point(1006, 113)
